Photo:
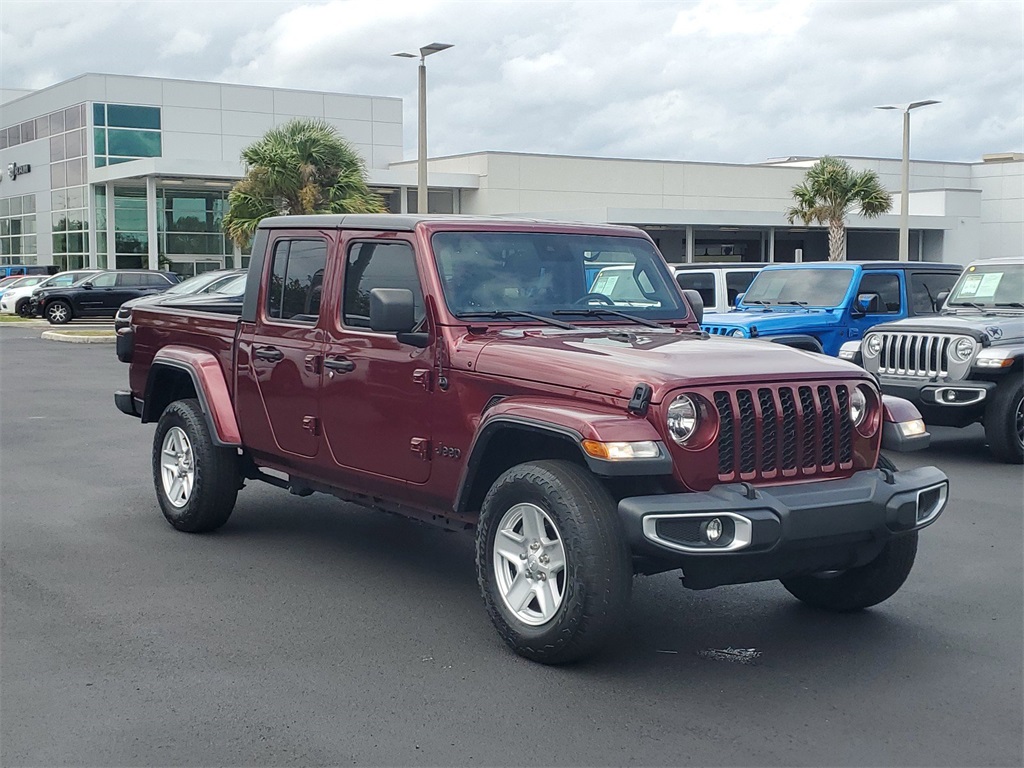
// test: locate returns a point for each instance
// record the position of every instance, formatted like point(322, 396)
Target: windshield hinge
point(641, 400)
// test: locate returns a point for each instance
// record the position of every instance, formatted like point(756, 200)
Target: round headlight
point(739, 332)
point(682, 418)
point(858, 406)
point(873, 345)
point(961, 349)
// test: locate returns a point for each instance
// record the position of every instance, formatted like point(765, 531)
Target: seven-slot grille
point(921, 355)
point(718, 330)
point(786, 431)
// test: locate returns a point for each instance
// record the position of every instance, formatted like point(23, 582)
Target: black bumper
point(930, 398)
point(771, 533)
point(127, 403)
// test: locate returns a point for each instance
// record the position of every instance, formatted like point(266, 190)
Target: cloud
point(714, 80)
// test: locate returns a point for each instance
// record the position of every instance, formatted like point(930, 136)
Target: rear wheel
point(58, 312)
point(1004, 421)
point(552, 561)
point(196, 481)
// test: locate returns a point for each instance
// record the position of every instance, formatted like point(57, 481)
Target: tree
point(830, 190)
point(301, 167)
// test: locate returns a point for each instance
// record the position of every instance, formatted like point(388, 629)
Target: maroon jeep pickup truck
point(459, 370)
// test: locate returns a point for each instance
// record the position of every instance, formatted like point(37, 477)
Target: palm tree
point(829, 191)
point(301, 167)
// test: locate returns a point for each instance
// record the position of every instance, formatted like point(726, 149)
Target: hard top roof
point(998, 260)
point(870, 265)
point(407, 222)
point(721, 265)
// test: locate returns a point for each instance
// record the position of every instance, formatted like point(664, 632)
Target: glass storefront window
point(74, 143)
point(57, 148)
point(42, 127)
point(58, 175)
point(56, 123)
point(74, 117)
point(99, 141)
point(99, 114)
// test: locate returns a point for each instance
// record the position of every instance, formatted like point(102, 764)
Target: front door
point(103, 294)
point(889, 305)
point(279, 355)
point(375, 396)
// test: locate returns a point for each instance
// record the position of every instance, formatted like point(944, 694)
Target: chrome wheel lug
point(534, 546)
point(522, 555)
point(544, 559)
point(542, 576)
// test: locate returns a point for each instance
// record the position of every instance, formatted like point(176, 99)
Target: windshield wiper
point(979, 307)
point(1016, 304)
point(795, 303)
point(508, 314)
point(598, 311)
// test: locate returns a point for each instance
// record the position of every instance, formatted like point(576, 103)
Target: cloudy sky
point(709, 80)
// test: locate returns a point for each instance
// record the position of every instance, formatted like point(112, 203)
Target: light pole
point(904, 252)
point(421, 164)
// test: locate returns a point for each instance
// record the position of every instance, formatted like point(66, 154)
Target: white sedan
point(18, 293)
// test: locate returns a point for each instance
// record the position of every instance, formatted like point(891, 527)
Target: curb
point(74, 338)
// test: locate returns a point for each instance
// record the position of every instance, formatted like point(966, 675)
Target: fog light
point(713, 530)
point(950, 395)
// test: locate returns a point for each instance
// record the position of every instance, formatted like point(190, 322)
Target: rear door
point(279, 355)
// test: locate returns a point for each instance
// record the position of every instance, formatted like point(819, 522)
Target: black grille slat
point(769, 430)
point(725, 434)
point(845, 436)
point(748, 419)
point(809, 419)
point(788, 428)
point(828, 426)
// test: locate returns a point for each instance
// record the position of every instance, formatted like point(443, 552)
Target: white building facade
point(116, 171)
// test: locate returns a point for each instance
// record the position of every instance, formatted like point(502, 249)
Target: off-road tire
point(862, 587)
point(598, 569)
point(1003, 420)
point(58, 312)
point(216, 471)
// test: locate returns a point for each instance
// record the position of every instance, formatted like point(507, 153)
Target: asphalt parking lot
point(308, 632)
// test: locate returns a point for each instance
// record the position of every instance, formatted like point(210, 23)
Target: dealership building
point(119, 171)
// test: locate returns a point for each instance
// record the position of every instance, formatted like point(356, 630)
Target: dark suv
point(100, 295)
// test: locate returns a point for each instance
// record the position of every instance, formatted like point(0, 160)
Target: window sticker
point(980, 286)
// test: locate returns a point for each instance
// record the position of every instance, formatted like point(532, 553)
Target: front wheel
point(862, 587)
point(58, 312)
point(21, 307)
point(552, 561)
point(1004, 421)
point(196, 481)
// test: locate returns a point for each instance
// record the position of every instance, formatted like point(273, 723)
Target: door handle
point(270, 354)
point(339, 365)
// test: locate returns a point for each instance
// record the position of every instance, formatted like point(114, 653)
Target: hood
point(778, 319)
point(612, 362)
point(152, 298)
point(1002, 327)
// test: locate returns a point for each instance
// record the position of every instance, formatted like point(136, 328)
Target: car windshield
point(195, 284)
point(489, 273)
point(232, 286)
point(799, 287)
point(989, 285)
point(24, 281)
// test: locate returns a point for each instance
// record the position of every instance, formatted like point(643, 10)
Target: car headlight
point(858, 406)
point(873, 345)
point(738, 333)
point(683, 416)
point(961, 349)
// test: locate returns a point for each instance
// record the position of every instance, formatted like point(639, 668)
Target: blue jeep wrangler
point(819, 306)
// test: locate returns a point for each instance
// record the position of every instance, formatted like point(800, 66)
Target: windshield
point(799, 287)
point(195, 284)
point(989, 285)
point(546, 274)
point(25, 281)
point(232, 286)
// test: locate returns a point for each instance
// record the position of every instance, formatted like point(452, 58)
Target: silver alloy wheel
point(58, 313)
point(529, 564)
point(177, 467)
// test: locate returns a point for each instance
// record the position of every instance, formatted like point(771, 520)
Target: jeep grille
point(916, 355)
point(718, 330)
point(779, 432)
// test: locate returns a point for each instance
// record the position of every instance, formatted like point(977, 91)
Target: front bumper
point(942, 403)
point(772, 533)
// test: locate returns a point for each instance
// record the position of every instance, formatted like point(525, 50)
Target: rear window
point(701, 282)
point(296, 280)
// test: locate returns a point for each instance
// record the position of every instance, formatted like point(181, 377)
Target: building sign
point(14, 170)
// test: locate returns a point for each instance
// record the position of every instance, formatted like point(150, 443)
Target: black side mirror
point(940, 300)
point(87, 286)
point(392, 310)
point(696, 302)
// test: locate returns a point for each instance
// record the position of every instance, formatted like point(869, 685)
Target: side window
point(156, 281)
point(925, 288)
point(737, 282)
point(296, 280)
point(702, 282)
point(378, 265)
point(887, 286)
point(105, 281)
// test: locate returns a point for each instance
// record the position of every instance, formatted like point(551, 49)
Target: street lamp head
point(910, 106)
point(426, 50)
